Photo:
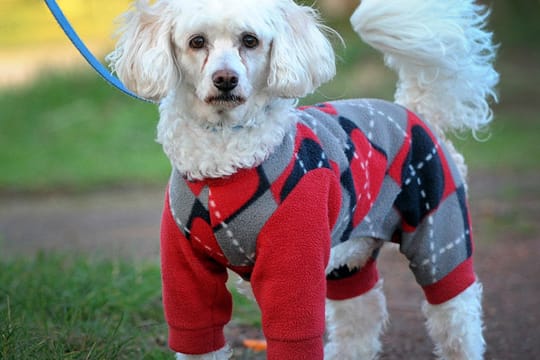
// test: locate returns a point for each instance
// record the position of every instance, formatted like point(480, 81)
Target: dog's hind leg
point(354, 326)
point(456, 326)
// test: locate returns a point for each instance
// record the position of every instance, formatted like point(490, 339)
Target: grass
point(74, 131)
point(510, 144)
point(72, 307)
point(60, 307)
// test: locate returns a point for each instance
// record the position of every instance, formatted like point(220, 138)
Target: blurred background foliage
point(62, 127)
point(27, 22)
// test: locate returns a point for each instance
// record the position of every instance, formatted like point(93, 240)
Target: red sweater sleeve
point(289, 279)
point(196, 301)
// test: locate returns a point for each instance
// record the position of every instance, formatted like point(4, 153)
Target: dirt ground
point(506, 216)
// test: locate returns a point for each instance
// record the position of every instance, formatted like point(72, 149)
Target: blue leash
point(87, 54)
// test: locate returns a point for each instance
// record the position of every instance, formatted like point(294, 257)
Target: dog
point(299, 201)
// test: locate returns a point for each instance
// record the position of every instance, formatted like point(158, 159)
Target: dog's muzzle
point(225, 81)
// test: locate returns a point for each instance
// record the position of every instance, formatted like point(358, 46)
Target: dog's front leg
point(456, 326)
point(354, 326)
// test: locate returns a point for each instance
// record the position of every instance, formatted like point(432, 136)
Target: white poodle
point(299, 201)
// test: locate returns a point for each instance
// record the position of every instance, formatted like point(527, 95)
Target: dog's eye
point(197, 42)
point(250, 41)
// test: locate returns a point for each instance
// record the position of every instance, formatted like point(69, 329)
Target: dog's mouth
point(225, 100)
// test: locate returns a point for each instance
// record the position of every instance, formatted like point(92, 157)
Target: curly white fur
point(442, 54)
point(355, 325)
point(200, 151)
point(456, 326)
point(440, 49)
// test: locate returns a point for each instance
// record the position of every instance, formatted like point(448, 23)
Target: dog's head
point(223, 53)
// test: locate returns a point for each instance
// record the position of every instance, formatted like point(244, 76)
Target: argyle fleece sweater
point(349, 169)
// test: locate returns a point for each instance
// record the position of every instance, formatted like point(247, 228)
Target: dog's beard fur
point(225, 100)
point(219, 148)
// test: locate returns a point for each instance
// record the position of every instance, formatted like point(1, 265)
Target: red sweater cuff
point(196, 342)
point(452, 284)
point(311, 349)
point(358, 284)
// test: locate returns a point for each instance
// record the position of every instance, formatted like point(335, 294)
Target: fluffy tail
point(442, 54)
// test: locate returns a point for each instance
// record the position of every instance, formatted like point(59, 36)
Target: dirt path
point(506, 212)
point(110, 223)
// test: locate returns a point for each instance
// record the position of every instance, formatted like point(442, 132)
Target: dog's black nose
point(225, 80)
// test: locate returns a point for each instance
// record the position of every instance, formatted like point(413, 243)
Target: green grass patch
point(74, 307)
point(56, 307)
point(74, 131)
point(510, 143)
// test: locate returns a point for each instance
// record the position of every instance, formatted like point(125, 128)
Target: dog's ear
point(143, 58)
point(302, 57)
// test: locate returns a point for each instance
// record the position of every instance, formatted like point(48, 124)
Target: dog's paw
point(224, 353)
